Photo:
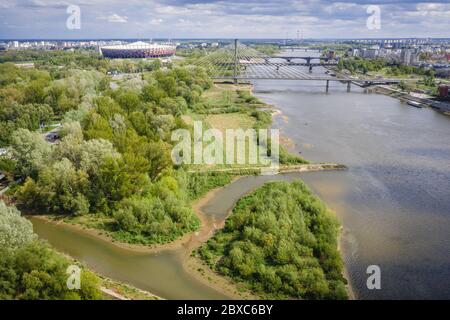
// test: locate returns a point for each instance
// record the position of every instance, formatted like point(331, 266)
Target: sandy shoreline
point(348, 287)
point(196, 267)
point(101, 235)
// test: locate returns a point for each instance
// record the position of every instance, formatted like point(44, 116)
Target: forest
point(280, 241)
point(113, 156)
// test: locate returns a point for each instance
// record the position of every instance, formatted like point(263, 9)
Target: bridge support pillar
point(327, 86)
point(235, 61)
point(310, 68)
point(349, 83)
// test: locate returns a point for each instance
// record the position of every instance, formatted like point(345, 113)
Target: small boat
point(414, 104)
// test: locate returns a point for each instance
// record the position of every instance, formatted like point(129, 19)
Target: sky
point(280, 19)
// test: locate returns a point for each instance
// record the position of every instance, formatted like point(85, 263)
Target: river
point(394, 201)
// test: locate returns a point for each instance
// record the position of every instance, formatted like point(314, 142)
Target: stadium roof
point(138, 45)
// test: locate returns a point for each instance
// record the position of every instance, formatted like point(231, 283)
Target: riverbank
point(116, 290)
point(103, 236)
point(350, 290)
point(442, 107)
point(196, 267)
point(281, 169)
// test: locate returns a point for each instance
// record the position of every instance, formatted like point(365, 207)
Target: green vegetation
point(381, 68)
point(281, 242)
point(227, 107)
point(112, 161)
point(198, 184)
point(267, 49)
point(30, 269)
point(364, 66)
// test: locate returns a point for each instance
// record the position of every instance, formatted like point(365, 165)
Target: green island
point(110, 169)
point(280, 241)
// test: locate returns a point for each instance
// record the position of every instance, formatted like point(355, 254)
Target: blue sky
point(223, 19)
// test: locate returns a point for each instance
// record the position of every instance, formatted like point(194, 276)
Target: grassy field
point(228, 106)
point(230, 121)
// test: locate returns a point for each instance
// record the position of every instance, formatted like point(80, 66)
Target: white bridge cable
point(252, 64)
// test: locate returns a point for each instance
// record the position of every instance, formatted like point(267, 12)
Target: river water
point(394, 201)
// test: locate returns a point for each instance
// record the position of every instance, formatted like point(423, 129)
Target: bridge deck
point(312, 78)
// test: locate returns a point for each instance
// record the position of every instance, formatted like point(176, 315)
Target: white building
point(405, 56)
point(370, 53)
point(409, 57)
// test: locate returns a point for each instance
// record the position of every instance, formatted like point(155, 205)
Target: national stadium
point(138, 50)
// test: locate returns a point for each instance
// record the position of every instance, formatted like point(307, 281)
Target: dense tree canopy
point(114, 150)
point(281, 241)
point(14, 230)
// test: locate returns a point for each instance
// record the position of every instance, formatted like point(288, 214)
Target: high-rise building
point(405, 56)
point(409, 56)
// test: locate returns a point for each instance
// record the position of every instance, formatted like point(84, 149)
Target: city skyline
point(36, 19)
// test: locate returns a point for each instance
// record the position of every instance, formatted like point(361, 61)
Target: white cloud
point(115, 18)
point(220, 18)
point(156, 22)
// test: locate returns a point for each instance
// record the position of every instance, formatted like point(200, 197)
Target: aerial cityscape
point(201, 150)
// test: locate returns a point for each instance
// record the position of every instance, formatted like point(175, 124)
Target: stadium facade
point(138, 50)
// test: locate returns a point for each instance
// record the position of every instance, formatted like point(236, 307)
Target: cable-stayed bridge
point(238, 62)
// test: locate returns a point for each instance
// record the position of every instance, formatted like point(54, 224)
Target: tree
point(97, 127)
point(281, 241)
point(152, 93)
point(158, 154)
point(128, 100)
point(35, 91)
point(30, 151)
point(44, 275)
point(15, 231)
point(60, 188)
